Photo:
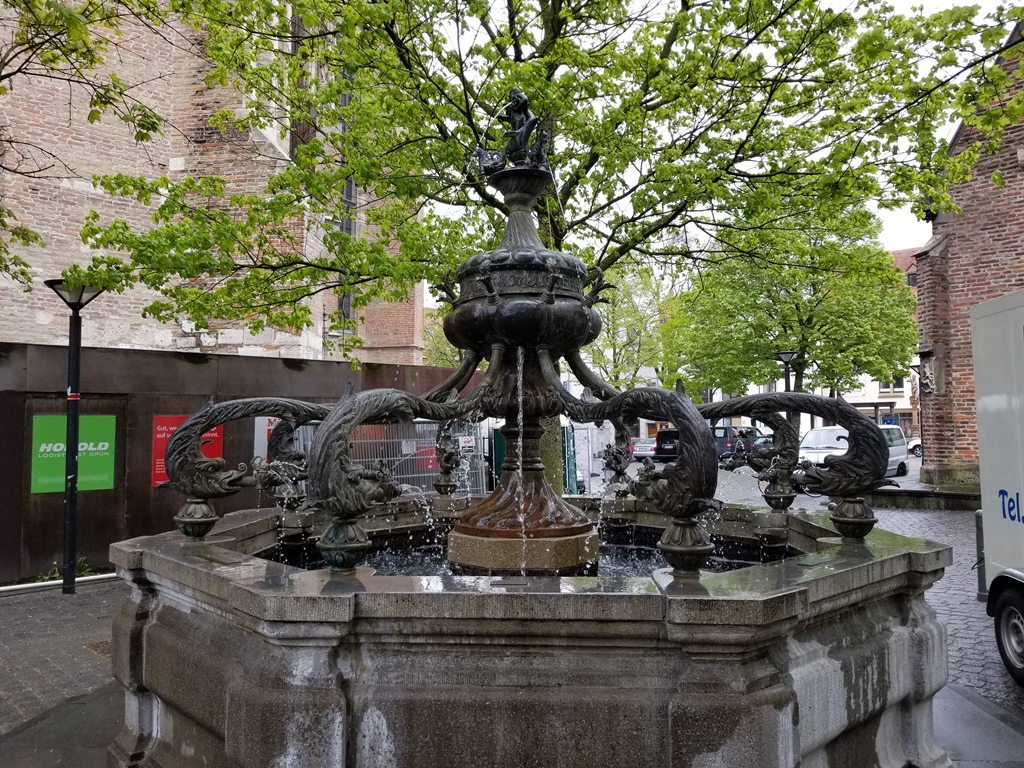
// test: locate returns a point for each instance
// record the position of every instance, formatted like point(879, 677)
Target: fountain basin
point(830, 658)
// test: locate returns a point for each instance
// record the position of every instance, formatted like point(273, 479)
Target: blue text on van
point(1011, 506)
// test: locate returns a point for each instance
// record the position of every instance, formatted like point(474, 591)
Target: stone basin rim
point(214, 570)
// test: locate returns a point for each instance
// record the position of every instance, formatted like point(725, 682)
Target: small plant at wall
point(82, 568)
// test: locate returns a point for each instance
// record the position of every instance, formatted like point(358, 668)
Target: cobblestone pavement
point(973, 658)
point(54, 646)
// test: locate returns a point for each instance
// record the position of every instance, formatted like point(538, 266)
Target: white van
point(832, 441)
point(998, 348)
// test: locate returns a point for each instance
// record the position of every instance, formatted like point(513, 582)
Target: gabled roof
point(904, 259)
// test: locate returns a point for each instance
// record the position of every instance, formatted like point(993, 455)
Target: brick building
point(55, 202)
point(972, 256)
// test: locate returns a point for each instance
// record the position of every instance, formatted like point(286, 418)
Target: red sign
point(163, 428)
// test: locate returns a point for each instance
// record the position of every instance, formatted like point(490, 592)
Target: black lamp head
point(75, 297)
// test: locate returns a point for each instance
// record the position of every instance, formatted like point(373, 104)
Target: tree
point(826, 290)
point(68, 43)
point(671, 127)
point(630, 350)
point(437, 350)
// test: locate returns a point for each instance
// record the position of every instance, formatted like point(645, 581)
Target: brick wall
point(56, 202)
point(393, 331)
point(973, 256)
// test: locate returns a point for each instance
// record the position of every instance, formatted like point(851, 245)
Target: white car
point(832, 441)
point(915, 446)
point(644, 449)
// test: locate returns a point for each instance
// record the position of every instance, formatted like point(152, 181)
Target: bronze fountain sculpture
point(525, 309)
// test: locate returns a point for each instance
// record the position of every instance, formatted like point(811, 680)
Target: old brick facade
point(973, 256)
point(56, 202)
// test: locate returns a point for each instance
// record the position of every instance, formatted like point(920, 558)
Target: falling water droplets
point(520, 357)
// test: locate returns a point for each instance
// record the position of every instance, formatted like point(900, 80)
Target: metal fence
point(408, 450)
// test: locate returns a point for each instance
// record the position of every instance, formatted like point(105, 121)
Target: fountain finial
point(521, 124)
point(519, 154)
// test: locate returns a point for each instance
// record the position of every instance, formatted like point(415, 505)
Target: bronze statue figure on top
point(518, 152)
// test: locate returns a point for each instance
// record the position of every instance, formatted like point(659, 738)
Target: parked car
point(915, 446)
point(726, 440)
point(645, 448)
point(666, 445)
point(833, 441)
point(632, 443)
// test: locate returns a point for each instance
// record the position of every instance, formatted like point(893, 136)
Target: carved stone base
point(486, 555)
point(778, 496)
point(445, 484)
point(853, 518)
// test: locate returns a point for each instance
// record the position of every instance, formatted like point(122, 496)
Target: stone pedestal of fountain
point(523, 527)
point(490, 555)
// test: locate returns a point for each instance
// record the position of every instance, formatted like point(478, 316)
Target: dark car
point(730, 439)
point(727, 439)
point(666, 446)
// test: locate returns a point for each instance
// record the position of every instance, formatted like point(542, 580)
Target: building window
point(912, 277)
point(896, 385)
point(303, 130)
point(345, 306)
point(347, 224)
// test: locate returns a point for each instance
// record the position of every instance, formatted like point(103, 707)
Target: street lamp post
point(786, 358)
point(76, 298)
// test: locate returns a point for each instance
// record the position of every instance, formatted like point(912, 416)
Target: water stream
point(520, 357)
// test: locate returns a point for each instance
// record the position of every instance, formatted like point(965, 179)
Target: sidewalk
point(975, 732)
point(74, 734)
point(54, 647)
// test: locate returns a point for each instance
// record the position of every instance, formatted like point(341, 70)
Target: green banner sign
point(95, 453)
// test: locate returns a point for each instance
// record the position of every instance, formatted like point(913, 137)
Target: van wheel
point(1010, 632)
point(901, 470)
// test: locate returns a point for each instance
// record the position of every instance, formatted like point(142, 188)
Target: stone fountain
point(512, 657)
